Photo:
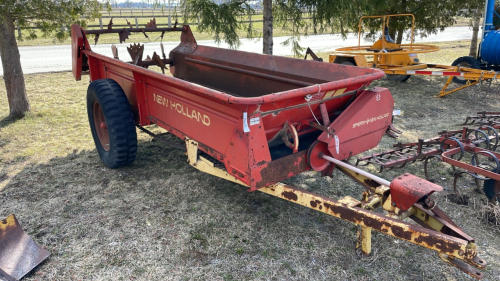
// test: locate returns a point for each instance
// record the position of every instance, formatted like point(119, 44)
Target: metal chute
point(19, 254)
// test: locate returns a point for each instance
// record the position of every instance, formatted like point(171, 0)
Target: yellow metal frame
point(450, 248)
point(399, 62)
point(204, 165)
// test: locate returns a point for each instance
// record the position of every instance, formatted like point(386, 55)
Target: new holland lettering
point(182, 109)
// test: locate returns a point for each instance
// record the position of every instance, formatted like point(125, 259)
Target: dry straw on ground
point(161, 219)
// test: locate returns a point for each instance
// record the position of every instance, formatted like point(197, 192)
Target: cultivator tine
point(19, 254)
point(96, 38)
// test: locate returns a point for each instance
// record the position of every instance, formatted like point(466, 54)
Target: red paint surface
point(212, 88)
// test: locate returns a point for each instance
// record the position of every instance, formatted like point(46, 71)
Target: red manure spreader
point(258, 119)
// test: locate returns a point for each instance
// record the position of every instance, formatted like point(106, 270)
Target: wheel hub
point(100, 126)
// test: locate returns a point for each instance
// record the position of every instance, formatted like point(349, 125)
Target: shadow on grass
point(162, 219)
point(8, 120)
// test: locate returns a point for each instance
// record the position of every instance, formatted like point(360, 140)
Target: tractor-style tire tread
point(119, 121)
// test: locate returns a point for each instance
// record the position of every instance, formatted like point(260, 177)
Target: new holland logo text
point(370, 120)
point(182, 109)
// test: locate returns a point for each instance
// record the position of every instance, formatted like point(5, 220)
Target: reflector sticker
point(334, 93)
point(246, 129)
point(339, 92)
point(329, 94)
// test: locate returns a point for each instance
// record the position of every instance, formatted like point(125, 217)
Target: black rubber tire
point(348, 62)
point(489, 189)
point(468, 62)
point(119, 120)
point(397, 77)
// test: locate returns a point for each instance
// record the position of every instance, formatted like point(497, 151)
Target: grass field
point(161, 219)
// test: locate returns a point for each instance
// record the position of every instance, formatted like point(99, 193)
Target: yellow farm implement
point(400, 61)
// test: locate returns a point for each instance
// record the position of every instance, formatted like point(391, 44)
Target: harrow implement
point(451, 147)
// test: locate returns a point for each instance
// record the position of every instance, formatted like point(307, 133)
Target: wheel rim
point(100, 126)
point(465, 65)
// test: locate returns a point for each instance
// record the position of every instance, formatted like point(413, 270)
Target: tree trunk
point(475, 30)
point(402, 23)
point(12, 71)
point(401, 32)
point(267, 29)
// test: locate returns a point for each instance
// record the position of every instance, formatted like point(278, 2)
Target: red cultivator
point(258, 119)
point(451, 147)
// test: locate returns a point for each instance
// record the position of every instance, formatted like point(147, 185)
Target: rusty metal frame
point(436, 231)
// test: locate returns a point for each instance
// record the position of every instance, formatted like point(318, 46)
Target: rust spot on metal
point(283, 168)
point(19, 252)
point(290, 195)
point(313, 204)
point(261, 163)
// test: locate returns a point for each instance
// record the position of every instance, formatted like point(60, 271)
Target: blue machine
point(488, 57)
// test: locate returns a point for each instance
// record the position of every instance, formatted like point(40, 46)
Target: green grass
point(161, 219)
